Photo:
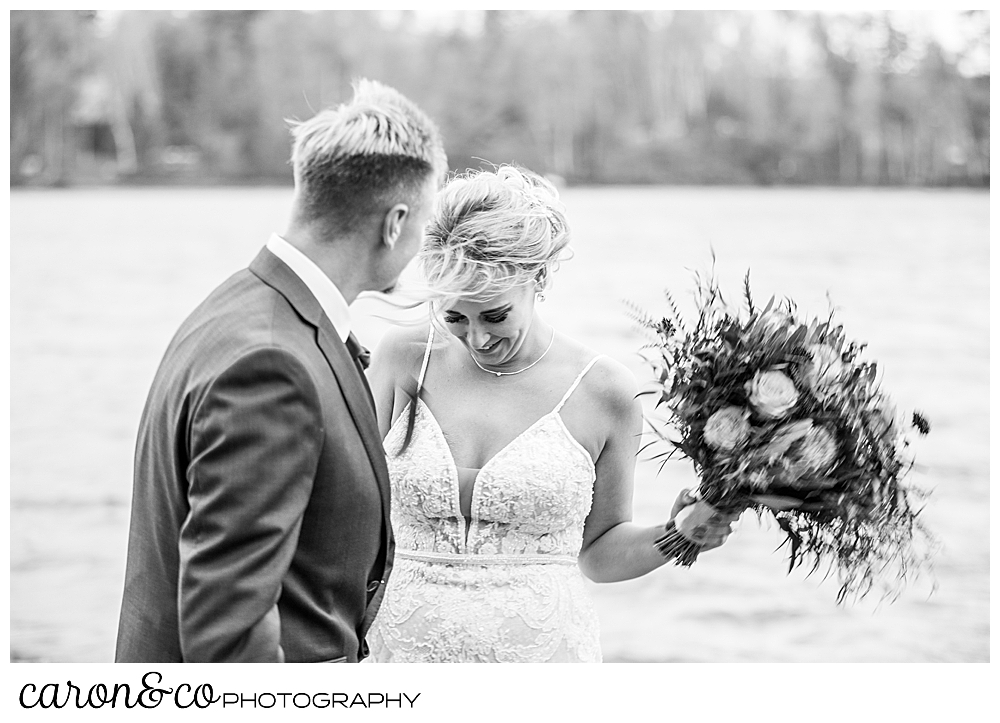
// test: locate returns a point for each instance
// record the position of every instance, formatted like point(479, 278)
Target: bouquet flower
point(782, 416)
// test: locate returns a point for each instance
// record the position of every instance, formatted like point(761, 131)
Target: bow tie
point(357, 351)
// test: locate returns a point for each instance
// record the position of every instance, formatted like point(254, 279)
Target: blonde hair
point(347, 160)
point(492, 231)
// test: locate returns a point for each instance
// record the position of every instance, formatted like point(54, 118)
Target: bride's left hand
point(701, 523)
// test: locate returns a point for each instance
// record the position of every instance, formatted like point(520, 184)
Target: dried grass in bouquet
point(783, 416)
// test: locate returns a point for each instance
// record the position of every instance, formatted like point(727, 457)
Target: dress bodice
point(531, 498)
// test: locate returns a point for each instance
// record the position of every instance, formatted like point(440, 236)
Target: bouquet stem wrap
point(681, 548)
point(673, 545)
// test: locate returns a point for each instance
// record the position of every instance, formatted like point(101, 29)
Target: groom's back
point(321, 603)
point(227, 324)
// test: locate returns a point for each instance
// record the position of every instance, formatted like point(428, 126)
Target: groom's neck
point(343, 257)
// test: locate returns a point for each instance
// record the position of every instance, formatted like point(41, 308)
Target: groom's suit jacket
point(260, 509)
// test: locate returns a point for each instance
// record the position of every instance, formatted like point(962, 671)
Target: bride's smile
point(488, 349)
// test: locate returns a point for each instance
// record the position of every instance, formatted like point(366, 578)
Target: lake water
point(100, 279)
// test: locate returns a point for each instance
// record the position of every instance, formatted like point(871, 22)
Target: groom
point(260, 506)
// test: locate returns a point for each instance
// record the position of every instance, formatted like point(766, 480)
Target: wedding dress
point(506, 587)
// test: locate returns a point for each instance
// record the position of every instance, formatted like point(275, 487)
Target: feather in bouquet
point(782, 416)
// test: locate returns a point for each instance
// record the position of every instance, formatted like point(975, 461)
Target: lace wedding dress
point(507, 588)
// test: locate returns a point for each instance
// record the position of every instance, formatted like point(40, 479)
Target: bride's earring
point(540, 296)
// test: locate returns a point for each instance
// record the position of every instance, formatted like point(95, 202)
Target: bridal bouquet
point(782, 415)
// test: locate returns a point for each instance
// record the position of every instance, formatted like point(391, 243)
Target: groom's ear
point(392, 225)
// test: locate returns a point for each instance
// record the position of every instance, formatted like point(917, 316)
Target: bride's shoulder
point(609, 382)
point(400, 348)
point(612, 382)
point(612, 393)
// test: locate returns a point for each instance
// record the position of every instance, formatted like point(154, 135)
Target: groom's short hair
point(363, 156)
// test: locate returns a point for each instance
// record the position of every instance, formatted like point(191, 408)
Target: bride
point(511, 448)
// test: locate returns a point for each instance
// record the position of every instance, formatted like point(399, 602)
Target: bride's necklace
point(507, 374)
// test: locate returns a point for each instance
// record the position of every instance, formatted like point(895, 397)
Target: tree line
point(733, 97)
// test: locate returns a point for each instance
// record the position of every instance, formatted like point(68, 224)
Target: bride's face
point(494, 330)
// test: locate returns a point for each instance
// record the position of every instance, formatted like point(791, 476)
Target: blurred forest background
point(726, 97)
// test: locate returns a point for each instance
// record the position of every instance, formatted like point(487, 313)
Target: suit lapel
point(275, 273)
point(355, 388)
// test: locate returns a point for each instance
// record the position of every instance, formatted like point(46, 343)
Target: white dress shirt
point(326, 292)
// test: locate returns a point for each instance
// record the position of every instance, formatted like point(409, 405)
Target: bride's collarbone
point(476, 388)
point(481, 414)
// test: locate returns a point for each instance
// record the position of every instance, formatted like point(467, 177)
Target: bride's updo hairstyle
point(492, 231)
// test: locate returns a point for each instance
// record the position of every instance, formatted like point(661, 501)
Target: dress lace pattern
point(507, 589)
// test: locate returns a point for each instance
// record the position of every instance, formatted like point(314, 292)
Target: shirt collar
point(319, 284)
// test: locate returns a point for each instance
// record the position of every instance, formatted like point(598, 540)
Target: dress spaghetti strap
point(576, 383)
point(411, 415)
point(427, 358)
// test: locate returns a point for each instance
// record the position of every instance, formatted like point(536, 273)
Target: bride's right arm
point(391, 374)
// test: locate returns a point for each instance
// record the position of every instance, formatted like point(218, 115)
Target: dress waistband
point(451, 558)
